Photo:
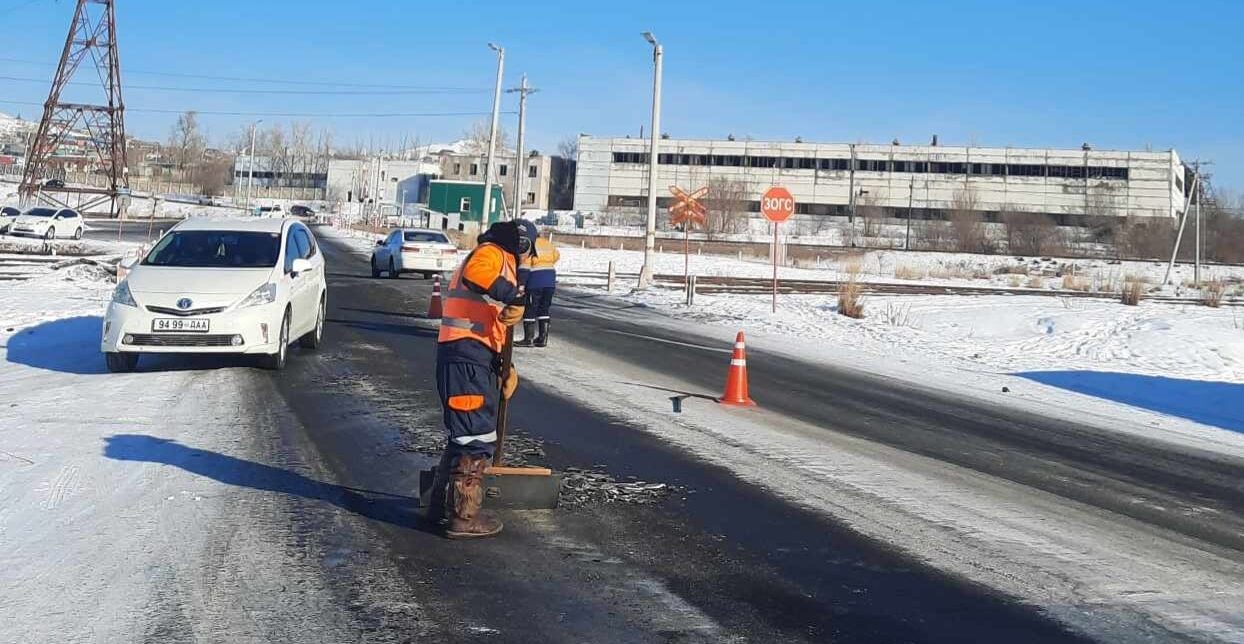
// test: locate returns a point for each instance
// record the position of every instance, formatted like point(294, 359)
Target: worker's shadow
point(395, 509)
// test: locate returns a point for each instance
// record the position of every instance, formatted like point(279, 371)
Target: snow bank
point(1165, 358)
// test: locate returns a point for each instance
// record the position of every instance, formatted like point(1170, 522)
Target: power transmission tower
point(97, 128)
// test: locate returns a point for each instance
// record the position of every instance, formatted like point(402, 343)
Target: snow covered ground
point(117, 519)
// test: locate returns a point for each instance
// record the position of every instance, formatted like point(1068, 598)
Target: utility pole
point(1183, 221)
point(1196, 270)
point(492, 136)
point(520, 164)
point(650, 233)
point(250, 166)
point(911, 193)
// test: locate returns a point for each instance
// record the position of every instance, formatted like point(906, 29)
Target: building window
point(502, 169)
point(533, 171)
point(531, 197)
point(464, 204)
point(632, 157)
point(873, 165)
point(474, 169)
point(457, 168)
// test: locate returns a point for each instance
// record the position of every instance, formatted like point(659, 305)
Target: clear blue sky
point(1126, 75)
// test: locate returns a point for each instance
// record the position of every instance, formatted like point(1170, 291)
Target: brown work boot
point(436, 501)
point(466, 495)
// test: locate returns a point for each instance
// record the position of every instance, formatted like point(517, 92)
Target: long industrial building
point(921, 181)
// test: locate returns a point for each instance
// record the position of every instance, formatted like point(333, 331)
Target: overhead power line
point(211, 90)
point(290, 114)
point(271, 81)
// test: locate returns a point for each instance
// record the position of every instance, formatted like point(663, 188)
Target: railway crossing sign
point(687, 208)
point(687, 211)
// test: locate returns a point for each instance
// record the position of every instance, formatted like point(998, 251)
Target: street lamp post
point(650, 234)
point(250, 166)
point(492, 136)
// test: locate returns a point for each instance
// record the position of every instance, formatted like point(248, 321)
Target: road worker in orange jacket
point(482, 301)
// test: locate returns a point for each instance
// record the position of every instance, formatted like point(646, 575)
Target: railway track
point(717, 285)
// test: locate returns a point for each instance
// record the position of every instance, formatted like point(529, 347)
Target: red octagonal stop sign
point(777, 204)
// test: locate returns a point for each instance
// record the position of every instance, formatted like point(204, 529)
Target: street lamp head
point(650, 38)
point(495, 48)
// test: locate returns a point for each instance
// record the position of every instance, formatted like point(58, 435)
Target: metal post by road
point(520, 164)
point(250, 166)
point(650, 234)
point(1196, 270)
point(492, 136)
point(911, 192)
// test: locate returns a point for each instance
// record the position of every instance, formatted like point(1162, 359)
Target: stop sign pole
point(777, 205)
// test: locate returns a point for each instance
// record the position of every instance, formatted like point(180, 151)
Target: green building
point(465, 198)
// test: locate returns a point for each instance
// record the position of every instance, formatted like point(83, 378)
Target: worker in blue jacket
point(539, 274)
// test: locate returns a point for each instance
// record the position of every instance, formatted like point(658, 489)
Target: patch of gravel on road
point(593, 487)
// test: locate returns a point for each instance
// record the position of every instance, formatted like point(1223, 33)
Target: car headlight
point(265, 294)
point(121, 295)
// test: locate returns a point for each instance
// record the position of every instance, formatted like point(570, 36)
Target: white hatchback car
point(48, 223)
point(242, 286)
point(414, 250)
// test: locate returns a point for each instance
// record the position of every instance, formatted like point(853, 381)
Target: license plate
point(180, 325)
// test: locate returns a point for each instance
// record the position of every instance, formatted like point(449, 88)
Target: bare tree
point(1031, 233)
point(186, 142)
point(966, 225)
point(868, 205)
point(477, 138)
point(213, 176)
point(568, 148)
point(726, 202)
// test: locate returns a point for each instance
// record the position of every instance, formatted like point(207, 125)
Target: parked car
point(48, 223)
point(413, 250)
point(236, 286)
point(301, 211)
point(54, 183)
point(7, 215)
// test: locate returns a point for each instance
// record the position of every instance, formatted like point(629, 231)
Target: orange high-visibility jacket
point(486, 281)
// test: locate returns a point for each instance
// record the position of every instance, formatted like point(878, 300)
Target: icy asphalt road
point(292, 517)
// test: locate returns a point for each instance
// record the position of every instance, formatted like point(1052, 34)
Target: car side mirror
point(380, 242)
point(300, 265)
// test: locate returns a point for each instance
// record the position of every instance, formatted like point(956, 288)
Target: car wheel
point(50, 234)
point(315, 336)
point(121, 362)
point(276, 361)
point(393, 269)
point(375, 270)
point(77, 234)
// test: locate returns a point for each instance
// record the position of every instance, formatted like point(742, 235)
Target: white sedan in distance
point(240, 286)
point(8, 214)
point(414, 250)
point(48, 223)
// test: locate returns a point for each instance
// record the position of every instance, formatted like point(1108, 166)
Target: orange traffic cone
point(434, 304)
point(736, 380)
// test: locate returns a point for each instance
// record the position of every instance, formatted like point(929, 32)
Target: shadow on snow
point(1202, 401)
point(391, 508)
point(71, 345)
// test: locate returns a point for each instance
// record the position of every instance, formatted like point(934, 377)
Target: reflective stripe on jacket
point(541, 270)
point(470, 314)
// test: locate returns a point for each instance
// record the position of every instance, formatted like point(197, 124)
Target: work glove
point(510, 384)
point(512, 314)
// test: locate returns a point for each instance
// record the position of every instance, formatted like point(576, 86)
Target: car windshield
point(432, 238)
point(216, 249)
point(9, 212)
point(41, 212)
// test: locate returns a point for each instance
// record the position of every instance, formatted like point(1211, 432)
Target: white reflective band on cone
point(738, 362)
point(740, 345)
point(490, 437)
